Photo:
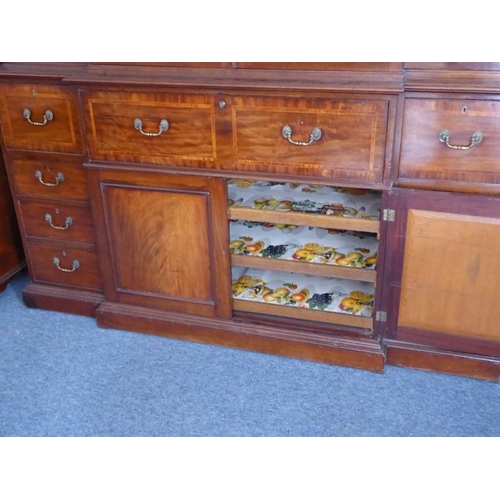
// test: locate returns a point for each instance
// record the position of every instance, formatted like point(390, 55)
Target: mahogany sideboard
point(346, 213)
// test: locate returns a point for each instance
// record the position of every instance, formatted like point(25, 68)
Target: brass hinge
point(381, 316)
point(389, 214)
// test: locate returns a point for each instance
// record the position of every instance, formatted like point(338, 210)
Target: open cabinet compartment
point(305, 251)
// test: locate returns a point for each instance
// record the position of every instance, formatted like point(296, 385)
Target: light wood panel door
point(162, 241)
point(444, 254)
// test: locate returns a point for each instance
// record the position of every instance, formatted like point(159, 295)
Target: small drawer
point(438, 141)
point(64, 265)
point(325, 138)
point(150, 127)
point(46, 178)
point(56, 220)
point(40, 118)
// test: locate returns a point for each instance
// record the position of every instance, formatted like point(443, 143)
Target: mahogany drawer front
point(45, 178)
point(57, 220)
point(424, 157)
point(351, 145)
point(322, 66)
point(114, 135)
point(54, 112)
point(78, 266)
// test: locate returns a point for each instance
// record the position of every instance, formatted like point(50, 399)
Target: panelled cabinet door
point(443, 273)
point(162, 241)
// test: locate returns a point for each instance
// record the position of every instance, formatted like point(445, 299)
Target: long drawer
point(40, 118)
point(342, 139)
point(152, 127)
point(450, 141)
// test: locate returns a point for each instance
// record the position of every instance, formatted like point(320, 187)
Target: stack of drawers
point(44, 154)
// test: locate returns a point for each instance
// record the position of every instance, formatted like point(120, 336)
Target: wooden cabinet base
point(425, 358)
point(365, 354)
point(62, 299)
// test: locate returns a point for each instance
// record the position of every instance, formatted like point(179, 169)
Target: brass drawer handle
point(68, 222)
point(444, 136)
point(315, 135)
point(47, 117)
point(57, 263)
point(163, 127)
point(59, 178)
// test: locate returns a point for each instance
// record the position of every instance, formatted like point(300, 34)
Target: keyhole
point(64, 253)
point(464, 109)
point(57, 210)
point(33, 92)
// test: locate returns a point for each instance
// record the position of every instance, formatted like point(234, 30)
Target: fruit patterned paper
point(304, 198)
point(308, 292)
point(303, 244)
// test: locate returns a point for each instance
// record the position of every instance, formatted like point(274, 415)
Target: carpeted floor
point(62, 376)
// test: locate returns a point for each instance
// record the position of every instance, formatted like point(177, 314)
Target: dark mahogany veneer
point(119, 175)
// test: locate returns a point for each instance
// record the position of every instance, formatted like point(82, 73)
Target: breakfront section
point(249, 219)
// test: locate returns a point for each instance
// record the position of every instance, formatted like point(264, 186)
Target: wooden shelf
point(305, 219)
point(307, 314)
point(330, 271)
point(300, 296)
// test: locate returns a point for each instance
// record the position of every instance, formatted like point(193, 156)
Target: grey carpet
point(60, 375)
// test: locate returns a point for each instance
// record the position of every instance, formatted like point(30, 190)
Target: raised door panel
point(170, 236)
point(165, 240)
point(449, 274)
point(443, 271)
